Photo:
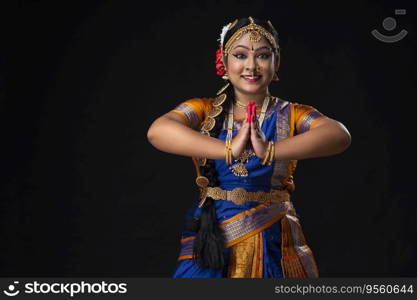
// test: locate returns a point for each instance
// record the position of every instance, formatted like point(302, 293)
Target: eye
point(239, 56)
point(264, 55)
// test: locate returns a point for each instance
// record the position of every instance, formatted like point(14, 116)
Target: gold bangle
point(266, 154)
point(268, 149)
point(272, 153)
point(269, 154)
point(228, 151)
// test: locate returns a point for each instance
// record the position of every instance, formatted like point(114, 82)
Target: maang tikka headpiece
point(255, 32)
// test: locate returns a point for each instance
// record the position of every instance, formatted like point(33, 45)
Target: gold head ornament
point(255, 33)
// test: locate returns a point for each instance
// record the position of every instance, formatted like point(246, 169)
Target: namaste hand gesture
point(250, 133)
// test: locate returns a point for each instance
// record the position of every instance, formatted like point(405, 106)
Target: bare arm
point(170, 133)
point(327, 137)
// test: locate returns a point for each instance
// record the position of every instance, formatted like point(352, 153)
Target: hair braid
point(209, 242)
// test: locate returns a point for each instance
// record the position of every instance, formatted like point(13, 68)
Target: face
point(251, 65)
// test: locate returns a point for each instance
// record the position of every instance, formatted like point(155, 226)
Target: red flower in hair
point(220, 69)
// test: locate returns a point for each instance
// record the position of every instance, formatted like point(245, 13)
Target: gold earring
point(275, 78)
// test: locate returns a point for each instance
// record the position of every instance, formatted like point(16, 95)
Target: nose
point(251, 65)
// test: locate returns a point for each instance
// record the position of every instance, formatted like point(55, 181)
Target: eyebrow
point(263, 47)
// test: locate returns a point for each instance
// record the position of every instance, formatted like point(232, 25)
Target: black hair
point(208, 245)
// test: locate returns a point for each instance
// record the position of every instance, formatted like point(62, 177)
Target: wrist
point(228, 152)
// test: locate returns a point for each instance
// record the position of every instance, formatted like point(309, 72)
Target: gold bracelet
point(272, 153)
point(268, 148)
point(269, 154)
point(228, 152)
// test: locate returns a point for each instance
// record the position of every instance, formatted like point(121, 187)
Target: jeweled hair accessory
point(220, 69)
point(255, 32)
point(223, 33)
point(225, 29)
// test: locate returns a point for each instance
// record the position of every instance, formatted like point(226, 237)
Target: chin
point(253, 89)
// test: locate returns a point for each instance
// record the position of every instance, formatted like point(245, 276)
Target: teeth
point(251, 77)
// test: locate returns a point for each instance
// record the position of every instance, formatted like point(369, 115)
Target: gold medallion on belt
point(240, 196)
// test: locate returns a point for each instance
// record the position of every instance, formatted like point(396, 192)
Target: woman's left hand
point(258, 139)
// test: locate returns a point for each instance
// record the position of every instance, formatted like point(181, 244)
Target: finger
point(258, 128)
point(257, 133)
point(253, 112)
point(253, 129)
point(249, 111)
point(257, 124)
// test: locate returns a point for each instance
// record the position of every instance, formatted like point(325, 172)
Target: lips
point(251, 78)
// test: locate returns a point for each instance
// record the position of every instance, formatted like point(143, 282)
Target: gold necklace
point(240, 104)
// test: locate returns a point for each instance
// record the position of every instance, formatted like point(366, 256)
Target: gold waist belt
point(240, 195)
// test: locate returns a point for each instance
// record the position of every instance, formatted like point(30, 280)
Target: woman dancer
point(245, 144)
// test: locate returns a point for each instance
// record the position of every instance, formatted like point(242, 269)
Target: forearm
point(173, 137)
point(317, 142)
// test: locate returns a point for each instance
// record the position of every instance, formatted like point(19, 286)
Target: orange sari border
point(185, 257)
point(187, 239)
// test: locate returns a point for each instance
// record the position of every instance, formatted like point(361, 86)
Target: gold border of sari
point(246, 258)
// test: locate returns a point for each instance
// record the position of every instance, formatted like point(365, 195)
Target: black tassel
point(209, 243)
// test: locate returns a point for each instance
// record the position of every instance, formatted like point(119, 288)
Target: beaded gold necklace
point(240, 104)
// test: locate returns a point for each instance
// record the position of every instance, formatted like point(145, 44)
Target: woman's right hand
point(241, 139)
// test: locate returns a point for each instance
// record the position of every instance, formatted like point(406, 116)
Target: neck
point(245, 98)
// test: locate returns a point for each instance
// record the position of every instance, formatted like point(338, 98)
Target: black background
point(83, 193)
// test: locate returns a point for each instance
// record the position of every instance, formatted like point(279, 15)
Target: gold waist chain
point(240, 196)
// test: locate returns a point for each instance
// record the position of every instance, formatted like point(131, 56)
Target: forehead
point(245, 41)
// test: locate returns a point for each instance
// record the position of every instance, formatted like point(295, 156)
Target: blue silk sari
point(269, 225)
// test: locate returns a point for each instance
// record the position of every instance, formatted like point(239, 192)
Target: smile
point(251, 78)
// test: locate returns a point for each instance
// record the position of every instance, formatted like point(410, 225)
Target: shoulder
point(302, 108)
point(194, 110)
point(305, 116)
point(301, 116)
